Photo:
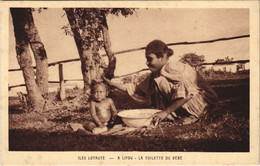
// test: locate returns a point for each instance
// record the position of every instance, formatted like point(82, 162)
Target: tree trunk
point(87, 50)
point(96, 70)
point(39, 55)
point(84, 54)
point(20, 21)
point(109, 73)
point(90, 58)
point(86, 65)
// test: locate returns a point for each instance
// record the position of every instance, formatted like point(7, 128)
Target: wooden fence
point(60, 63)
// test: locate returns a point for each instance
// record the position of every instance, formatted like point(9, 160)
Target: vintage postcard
point(129, 82)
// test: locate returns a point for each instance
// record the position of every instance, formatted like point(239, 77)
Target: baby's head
point(99, 91)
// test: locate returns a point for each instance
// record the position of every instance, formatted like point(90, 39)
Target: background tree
point(90, 31)
point(194, 60)
point(26, 34)
point(109, 72)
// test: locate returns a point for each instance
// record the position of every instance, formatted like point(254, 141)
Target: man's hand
point(158, 117)
point(116, 85)
point(105, 79)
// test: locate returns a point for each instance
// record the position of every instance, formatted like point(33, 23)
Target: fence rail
point(132, 50)
point(141, 48)
point(226, 63)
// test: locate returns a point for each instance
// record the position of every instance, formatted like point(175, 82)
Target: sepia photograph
point(129, 80)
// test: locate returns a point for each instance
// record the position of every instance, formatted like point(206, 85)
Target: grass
point(225, 129)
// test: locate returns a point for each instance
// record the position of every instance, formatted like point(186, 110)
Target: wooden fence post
point(62, 94)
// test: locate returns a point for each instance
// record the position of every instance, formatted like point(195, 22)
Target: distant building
point(233, 67)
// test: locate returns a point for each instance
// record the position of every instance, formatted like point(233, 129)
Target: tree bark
point(109, 72)
point(20, 21)
point(87, 50)
point(39, 55)
point(90, 58)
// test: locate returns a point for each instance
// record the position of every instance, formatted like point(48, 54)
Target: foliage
point(39, 10)
point(194, 60)
point(123, 11)
point(227, 59)
point(91, 19)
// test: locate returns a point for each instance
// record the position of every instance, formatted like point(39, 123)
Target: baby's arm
point(113, 109)
point(94, 114)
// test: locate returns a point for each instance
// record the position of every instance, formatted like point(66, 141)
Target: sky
point(167, 24)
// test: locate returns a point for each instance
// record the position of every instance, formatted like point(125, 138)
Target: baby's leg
point(90, 125)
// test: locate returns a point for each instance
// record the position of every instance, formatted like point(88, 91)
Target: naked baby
point(102, 108)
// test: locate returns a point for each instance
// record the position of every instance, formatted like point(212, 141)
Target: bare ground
point(225, 129)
